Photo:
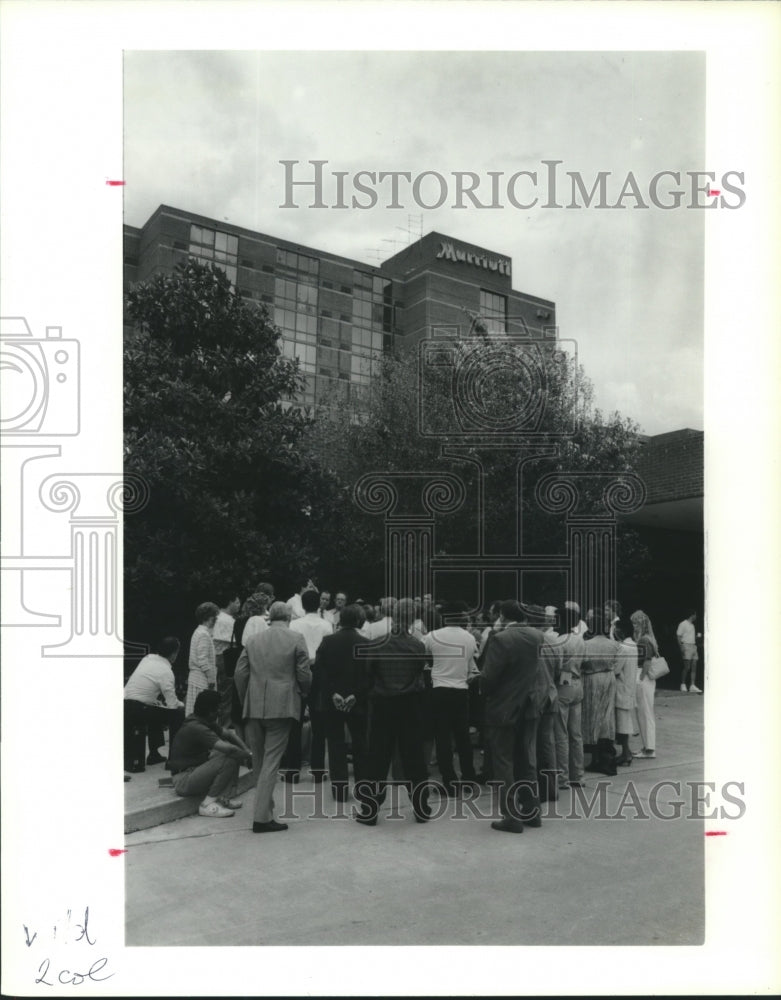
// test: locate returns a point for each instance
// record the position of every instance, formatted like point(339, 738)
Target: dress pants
point(525, 765)
point(291, 761)
point(501, 740)
point(225, 688)
point(217, 777)
point(267, 739)
point(546, 755)
point(291, 758)
point(514, 758)
point(335, 722)
point(644, 696)
point(145, 723)
point(451, 722)
point(317, 749)
point(569, 736)
point(396, 722)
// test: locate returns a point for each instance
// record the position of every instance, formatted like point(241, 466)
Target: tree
point(481, 387)
point(233, 497)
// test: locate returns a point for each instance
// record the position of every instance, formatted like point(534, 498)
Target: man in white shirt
point(221, 635)
point(311, 626)
point(382, 627)
point(325, 613)
point(150, 705)
point(687, 643)
point(294, 605)
point(453, 650)
point(314, 629)
point(340, 603)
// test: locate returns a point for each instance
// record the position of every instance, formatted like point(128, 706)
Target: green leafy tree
point(233, 495)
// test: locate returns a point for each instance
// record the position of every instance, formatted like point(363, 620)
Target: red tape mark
point(711, 191)
point(115, 852)
point(715, 833)
point(115, 183)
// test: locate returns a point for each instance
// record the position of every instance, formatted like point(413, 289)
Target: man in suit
point(395, 676)
point(271, 675)
point(342, 682)
point(509, 674)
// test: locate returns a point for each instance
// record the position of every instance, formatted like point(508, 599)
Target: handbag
point(230, 656)
point(657, 668)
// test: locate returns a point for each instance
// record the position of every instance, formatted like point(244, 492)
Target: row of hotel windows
point(295, 291)
point(335, 364)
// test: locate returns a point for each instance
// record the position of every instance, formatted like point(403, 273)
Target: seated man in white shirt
point(150, 705)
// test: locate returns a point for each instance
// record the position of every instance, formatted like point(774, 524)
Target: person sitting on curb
point(145, 716)
point(204, 758)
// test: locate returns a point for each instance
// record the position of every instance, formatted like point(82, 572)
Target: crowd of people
point(396, 688)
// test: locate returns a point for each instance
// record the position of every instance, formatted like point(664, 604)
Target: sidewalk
point(580, 880)
point(148, 804)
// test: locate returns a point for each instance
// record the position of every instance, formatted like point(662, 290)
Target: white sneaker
point(215, 810)
point(683, 688)
point(694, 689)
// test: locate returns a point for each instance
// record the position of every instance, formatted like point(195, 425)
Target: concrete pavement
point(578, 880)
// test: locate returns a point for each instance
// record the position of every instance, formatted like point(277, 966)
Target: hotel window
point(493, 309)
point(371, 318)
point(212, 246)
point(295, 306)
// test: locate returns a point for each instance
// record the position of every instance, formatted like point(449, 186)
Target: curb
point(176, 807)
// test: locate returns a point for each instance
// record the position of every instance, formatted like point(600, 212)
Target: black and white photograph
point(362, 323)
point(389, 477)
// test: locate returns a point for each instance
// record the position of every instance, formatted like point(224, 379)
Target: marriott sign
point(449, 251)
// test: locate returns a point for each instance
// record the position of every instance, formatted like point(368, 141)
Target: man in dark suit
point(395, 670)
point(271, 675)
point(509, 673)
point(340, 687)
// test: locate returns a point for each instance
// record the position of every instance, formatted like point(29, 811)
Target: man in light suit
point(271, 675)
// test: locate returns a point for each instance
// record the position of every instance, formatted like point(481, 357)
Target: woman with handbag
point(647, 651)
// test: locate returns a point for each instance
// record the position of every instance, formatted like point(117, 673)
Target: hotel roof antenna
point(413, 229)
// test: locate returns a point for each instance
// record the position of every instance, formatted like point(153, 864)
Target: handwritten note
point(74, 967)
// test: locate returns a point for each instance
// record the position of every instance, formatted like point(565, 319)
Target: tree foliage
point(232, 494)
point(242, 486)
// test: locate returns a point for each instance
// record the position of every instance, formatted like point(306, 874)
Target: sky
point(205, 131)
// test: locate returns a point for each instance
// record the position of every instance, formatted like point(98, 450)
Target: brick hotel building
point(337, 315)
